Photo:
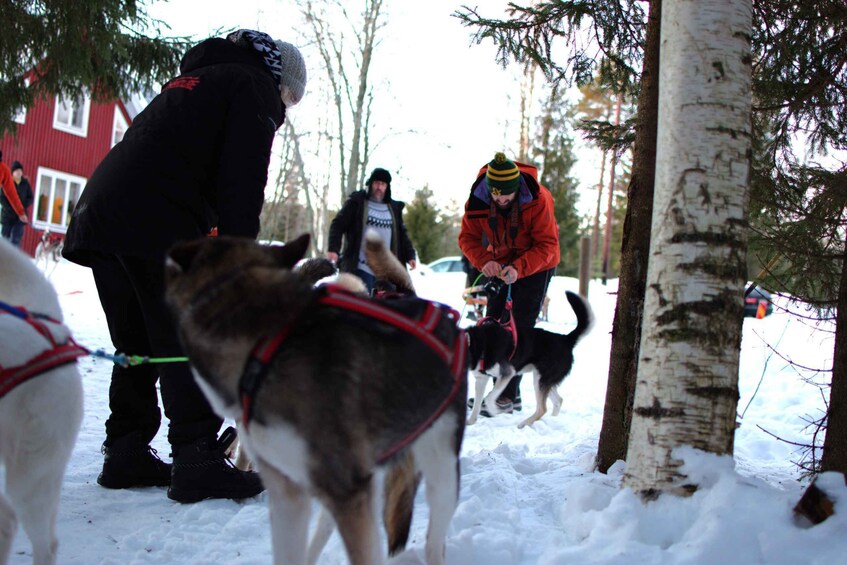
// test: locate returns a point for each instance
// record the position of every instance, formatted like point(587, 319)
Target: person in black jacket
point(13, 225)
point(375, 209)
point(196, 157)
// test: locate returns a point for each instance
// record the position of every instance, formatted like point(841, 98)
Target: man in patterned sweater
point(376, 209)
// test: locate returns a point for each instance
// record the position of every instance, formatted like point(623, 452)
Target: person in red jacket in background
point(13, 210)
point(509, 233)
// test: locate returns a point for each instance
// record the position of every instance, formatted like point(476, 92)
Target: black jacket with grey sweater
point(195, 158)
point(349, 224)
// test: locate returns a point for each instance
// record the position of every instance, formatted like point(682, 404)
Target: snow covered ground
point(527, 496)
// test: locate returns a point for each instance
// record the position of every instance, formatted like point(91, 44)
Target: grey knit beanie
point(283, 61)
point(292, 73)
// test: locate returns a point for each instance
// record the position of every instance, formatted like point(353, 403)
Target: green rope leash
point(134, 360)
point(465, 307)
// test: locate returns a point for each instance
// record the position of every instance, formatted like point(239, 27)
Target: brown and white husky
point(40, 410)
point(341, 400)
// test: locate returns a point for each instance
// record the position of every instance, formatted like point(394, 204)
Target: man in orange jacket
point(13, 210)
point(509, 232)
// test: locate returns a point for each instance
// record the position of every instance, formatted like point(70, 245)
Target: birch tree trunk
point(687, 380)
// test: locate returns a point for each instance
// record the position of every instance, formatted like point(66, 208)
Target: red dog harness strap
point(508, 324)
point(255, 371)
point(450, 347)
point(458, 367)
point(59, 352)
point(421, 329)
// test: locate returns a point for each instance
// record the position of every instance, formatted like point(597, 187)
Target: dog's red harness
point(422, 327)
point(58, 352)
point(508, 324)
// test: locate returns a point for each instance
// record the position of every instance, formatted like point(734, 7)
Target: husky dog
point(341, 400)
point(549, 355)
point(312, 270)
point(40, 417)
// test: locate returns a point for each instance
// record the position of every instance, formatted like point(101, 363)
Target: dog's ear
point(180, 256)
point(289, 254)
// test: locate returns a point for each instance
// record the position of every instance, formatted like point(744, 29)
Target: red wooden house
point(60, 143)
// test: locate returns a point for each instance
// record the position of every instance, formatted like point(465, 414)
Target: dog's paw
point(528, 422)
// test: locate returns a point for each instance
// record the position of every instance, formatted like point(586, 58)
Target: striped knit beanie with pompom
point(502, 176)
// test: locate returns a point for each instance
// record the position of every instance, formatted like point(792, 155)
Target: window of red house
point(72, 115)
point(20, 117)
point(119, 126)
point(56, 195)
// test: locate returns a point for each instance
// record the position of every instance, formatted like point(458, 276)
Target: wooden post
point(584, 265)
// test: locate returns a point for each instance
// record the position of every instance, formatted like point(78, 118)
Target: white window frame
point(20, 116)
point(82, 130)
point(50, 191)
point(119, 125)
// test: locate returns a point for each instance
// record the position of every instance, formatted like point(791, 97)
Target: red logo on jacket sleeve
point(187, 82)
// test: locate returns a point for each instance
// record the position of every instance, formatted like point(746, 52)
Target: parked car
point(757, 298)
point(446, 265)
point(442, 280)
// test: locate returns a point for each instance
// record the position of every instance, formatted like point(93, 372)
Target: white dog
point(40, 415)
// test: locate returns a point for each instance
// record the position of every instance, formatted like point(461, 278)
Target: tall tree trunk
point(347, 71)
point(834, 456)
point(595, 234)
point(366, 45)
point(687, 390)
point(607, 240)
point(635, 247)
point(527, 88)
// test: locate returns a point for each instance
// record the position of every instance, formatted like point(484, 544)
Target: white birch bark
point(687, 381)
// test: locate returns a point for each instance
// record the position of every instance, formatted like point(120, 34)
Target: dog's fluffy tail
point(314, 269)
point(401, 485)
point(584, 315)
point(385, 265)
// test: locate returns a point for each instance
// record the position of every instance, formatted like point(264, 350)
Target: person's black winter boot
point(202, 470)
point(130, 462)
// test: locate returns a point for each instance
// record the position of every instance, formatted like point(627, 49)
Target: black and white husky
point(547, 354)
point(40, 404)
point(338, 402)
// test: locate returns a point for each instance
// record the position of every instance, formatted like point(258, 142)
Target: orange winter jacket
point(527, 239)
point(10, 190)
